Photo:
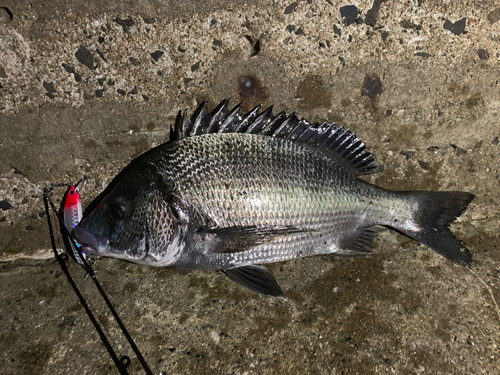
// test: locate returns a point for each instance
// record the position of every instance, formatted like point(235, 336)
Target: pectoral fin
point(238, 239)
point(256, 278)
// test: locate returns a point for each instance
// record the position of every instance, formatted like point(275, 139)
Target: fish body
point(233, 191)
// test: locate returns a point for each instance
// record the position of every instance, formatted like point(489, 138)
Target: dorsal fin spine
point(359, 149)
point(217, 118)
point(299, 133)
point(186, 125)
point(234, 117)
point(248, 119)
point(352, 148)
point(200, 122)
point(263, 121)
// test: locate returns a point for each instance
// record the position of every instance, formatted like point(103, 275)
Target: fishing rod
point(124, 361)
point(61, 260)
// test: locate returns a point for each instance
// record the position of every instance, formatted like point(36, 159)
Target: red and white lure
point(72, 214)
point(72, 207)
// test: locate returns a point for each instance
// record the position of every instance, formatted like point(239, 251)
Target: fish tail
point(432, 216)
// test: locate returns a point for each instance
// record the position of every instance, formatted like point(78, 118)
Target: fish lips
point(92, 243)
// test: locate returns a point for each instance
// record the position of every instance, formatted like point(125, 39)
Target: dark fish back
point(350, 150)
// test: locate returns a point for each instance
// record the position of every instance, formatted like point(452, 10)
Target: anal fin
point(256, 278)
point(359, 243)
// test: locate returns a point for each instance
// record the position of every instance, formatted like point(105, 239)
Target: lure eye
point(116, 212)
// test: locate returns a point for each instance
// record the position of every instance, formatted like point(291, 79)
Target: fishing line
point(124, 360)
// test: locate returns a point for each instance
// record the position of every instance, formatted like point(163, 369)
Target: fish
point(232, 191)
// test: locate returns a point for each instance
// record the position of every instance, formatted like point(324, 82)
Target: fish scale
point(275, 173)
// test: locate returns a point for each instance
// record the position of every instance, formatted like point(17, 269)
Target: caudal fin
point(436, 211)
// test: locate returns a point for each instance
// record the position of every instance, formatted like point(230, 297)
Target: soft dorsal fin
point(223, 120)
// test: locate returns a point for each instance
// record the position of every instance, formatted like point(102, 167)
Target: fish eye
point(116, 212)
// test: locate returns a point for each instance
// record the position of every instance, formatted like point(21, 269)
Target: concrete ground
point(85, 86)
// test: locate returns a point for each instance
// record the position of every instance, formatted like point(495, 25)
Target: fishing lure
point(71, 207)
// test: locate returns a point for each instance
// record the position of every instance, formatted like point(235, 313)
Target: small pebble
point(195, 66)
point(457, 27)
point(5, 205)
point(68, 68)
point(5, 15)
point(423, 54)
point(483, 54)
point(300, 32)
point(349, 13)
point(336, 31)
point(49, 86)
point(134, 61)
point(85, 57)
point(407, 154)
point(156, 55)
point(494, 16)
point(291, 8)
point(126, 24)
point(424, 165)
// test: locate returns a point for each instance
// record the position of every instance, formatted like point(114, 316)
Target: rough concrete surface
point(85, 86)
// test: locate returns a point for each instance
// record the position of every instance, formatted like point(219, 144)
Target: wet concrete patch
point(313, 93)
point(372, 87)
point(251, 90)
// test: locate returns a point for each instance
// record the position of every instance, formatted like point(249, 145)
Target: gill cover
point(134, 221)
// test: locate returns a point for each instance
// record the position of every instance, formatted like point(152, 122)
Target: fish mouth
point(91, 243)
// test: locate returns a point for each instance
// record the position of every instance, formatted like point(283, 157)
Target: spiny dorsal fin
point(223, 120)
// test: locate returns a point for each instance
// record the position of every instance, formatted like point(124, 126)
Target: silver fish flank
point(232, 191)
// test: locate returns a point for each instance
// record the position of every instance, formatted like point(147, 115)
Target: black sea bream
point(232, 191)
